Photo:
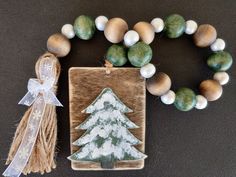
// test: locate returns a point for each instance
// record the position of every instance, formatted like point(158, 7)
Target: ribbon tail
point(24, 151)
point(50, 98)
point(28, 99)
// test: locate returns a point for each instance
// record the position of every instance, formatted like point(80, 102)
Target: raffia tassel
point(42, 158)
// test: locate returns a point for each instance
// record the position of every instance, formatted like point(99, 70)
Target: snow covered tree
point(107, 138)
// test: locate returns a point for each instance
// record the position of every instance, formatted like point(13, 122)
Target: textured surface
point(174, 26)
point(85, 84)
point(179, 144)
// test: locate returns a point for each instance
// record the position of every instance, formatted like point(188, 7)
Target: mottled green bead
point(185, 99)
point(84, 27)
point(116, 54)
point(220, 61)
point(174, 26)
point(140, 54)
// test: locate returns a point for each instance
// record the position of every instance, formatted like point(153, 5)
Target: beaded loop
point(137, 51)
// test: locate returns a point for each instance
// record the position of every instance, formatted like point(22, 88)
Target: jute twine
point(42, 158)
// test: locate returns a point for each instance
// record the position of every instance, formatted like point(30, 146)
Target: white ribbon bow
point(35, 88)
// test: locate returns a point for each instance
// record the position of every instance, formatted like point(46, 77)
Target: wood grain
point(85, 83)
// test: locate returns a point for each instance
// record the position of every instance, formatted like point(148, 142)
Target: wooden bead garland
point(159, 85)
point(139, 53)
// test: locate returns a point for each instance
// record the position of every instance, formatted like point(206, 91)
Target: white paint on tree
point(108, 96)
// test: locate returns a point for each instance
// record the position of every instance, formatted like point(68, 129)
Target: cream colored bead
point(201, 102)
point(191, 27)
point(218, 45)
point(148, 70)
point(101, 22)
point(168, 98)
point(130, 38)
point(158, 24)
point(221, 77)
point(68, 31)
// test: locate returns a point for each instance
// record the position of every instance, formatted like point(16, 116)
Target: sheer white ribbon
point(40, 92)
point(46, 88)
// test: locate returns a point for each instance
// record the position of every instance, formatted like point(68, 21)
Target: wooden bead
point(168, 97)
point(201, 102)
point(158, 24)
point(58, 44)
point(148, 70)
point(185, 99)
point(84, 27)
point(218, 45)
point(146, 31)
point(140, 54)
point(191, 27)
point(116, 54)
point(174, 26)
point(221, 77)
point(220, 61)
point(159, 84)
point(131, 37)
point(101, 22)
point(211, 89)
point(68, 31)
point(205, 35)
point(115, 30)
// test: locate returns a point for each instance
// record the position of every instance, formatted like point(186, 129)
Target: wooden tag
point(85, 84)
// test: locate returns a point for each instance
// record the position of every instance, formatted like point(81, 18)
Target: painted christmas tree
point(107, 138)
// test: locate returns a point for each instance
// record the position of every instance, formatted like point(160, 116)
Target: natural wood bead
point(146, 31)
point(211, 89)
point(59, 45)
point(115, 30)
point(205, 35)
point(159, 84)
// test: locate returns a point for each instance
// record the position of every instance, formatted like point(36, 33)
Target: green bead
point(174, 26)
point(220, 61)
point(185, 99)
point(140, 54)
point(84, 27)
point(116, 54)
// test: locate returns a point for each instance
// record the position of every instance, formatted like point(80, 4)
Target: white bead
point(191, 27)
point(158, 24)
point(218, 45)
point(168, 98)
point(130, 38)
point(68, 31)
point(201, 102)
point(101, 22)
point(221, 77)
point(148, 70)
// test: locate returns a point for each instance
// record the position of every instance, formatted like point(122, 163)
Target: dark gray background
point(179, 144)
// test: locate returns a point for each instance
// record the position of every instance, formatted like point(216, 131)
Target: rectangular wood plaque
point(85, 84)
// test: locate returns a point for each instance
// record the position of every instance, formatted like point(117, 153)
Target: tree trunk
point(107, 163)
